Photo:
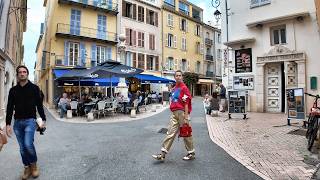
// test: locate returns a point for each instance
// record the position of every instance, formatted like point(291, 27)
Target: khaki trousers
point(177, 119)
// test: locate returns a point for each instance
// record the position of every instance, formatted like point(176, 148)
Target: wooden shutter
point(156, 18)
point(175, 41)
point(187, 25)
point(140, 13)
point(148, 16)
point(134, 11)
point(123, 8)
point(139, 39)
point(157, 62)
point(150, 41)
point(153, 42)
point(167, 41)
point(134, 38)
point(127, 36)
point(180, 24)
point(134, 60)
point(176, 64)
point(142, 40)
point(168, 20)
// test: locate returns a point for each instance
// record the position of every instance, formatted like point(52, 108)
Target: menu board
point(243, 82)
point(295, 100)
point(237, 102)
point(243, 58)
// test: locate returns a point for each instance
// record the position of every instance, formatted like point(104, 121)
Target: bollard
point(90, 116)
point(133, 113)
point(153, 108)
point(69, 114)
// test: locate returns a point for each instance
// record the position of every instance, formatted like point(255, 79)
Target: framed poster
point(237, 102)
point(243, 82)
point(243, 60)
point(295, 101)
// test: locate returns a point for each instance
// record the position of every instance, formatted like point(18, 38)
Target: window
point(170, 20)
point(198, 30)
point(75, 22)
point(1, 8)
point(278, 35)
point(141, 61)
point(183, 65)
point(208, 35)
point(129, 10)
point(184, 8)
point(73, 54)
point(152, 17)
point(198, 48)
point(183, 25)
point(103, 54)
point(208, 51)
point(256, 3)
point(170, 63)
point(102, 27)
point(171, 41)
point(170, 2)
point(198, 64)
point(152, 63)
point(184, 44)
point(219, 38)
point(130, 37)
point(218, 53)
point(140, 39)
point(152, 42)
point(140, 13)
point(196, 14)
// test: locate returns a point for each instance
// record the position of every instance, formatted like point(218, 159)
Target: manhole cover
point(300, 132)
point(163, 130)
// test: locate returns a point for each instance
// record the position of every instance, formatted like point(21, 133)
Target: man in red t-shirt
point(181, 108)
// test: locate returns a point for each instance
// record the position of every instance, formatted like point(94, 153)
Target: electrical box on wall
point(313, 83)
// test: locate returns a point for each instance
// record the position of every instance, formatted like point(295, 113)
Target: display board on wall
point(243, 82)
point(243, 60)
point(295, 100)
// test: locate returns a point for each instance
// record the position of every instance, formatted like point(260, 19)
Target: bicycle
point(313, 121)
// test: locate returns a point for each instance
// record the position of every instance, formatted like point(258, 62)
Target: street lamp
point(217, 15)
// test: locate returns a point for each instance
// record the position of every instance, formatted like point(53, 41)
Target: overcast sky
point(36, 15)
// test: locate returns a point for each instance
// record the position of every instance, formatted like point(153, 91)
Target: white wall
point(3, 23)
point(301, 36)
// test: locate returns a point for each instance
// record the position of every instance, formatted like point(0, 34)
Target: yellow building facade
point(183, 46)
point(75, 33)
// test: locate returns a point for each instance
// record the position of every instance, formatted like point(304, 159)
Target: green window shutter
point(313, 83)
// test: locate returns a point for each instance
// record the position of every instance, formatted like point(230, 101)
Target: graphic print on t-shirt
point(175, 95)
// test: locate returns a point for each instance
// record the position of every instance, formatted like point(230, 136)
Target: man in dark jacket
point(24, 99)
point(222, 98)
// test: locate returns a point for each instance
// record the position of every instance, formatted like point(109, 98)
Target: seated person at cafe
point(214, 103)
point(64, 104)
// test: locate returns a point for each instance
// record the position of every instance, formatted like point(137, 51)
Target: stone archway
point(268, 92)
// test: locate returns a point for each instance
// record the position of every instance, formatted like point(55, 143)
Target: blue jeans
point(63, 109)
point(25, 130)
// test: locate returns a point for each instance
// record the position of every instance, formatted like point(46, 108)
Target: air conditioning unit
point(59, 62)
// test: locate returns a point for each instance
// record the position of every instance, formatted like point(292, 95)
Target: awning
point(205, 81)
point(90, 82)
point(146, 78)
point(59, 72)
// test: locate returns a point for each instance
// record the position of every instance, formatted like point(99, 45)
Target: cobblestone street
point(263, 145)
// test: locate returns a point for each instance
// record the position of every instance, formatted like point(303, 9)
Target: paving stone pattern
point(263, 145)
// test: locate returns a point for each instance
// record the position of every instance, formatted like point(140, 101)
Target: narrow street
point(123, 151)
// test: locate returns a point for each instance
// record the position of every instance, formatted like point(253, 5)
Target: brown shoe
point(26, 173)
point(34, 170)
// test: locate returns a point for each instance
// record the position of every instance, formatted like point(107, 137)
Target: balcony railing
point(84, 32)
point(68, 61)
point(184, 11)
point(209, 57)
point(104, 5)
point(209, 41)
point(209, 74)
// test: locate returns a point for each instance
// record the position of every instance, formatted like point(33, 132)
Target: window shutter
point(176, 64)
point(123, 8)
point(82, 61)
point(157, 62)
point(195, 29)
point(188, 65)
point(142, 40)
point(181, 43)
point(153, 42)
point(201, 48)
point(168, 20)
point(108, 52)
point(134, 11)
point(156, 18)
point(180, 65)
point(167, 41)
point(93, 55)
point(200, 31)
point(148, 16)
point(134, 37)
point(180, 24)
point(187, 25)
point(66, 53)
point(150, 41)
point(139, 39)
point(175, 41)
point(142, 13)
point(127, 36)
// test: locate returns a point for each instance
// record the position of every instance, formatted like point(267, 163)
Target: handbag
point(3, 139)
point(185, 130)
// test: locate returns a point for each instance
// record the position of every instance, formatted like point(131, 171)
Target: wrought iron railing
point(209, 57)
point(86, 32)
point(209, 74)
point(209, 41)
point(103, 4)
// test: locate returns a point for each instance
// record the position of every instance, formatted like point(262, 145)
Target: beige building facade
point(13, 21)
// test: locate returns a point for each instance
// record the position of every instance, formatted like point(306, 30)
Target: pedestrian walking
point(222, 98)
point(23, 100)
point(180, 107)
